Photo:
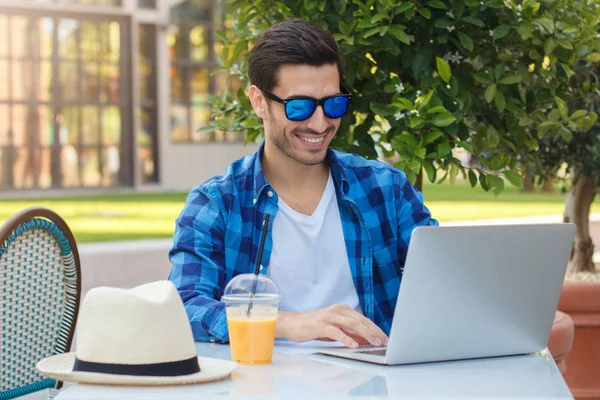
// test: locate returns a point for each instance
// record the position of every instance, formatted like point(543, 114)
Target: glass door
point(65, 113)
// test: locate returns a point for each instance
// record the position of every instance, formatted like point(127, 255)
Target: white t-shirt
point(309, 263)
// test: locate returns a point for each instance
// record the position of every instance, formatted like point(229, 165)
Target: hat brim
point(60, 367)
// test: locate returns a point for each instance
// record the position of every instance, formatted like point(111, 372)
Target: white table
point(296, 372)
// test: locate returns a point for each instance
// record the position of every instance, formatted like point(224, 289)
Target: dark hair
point(293, 42)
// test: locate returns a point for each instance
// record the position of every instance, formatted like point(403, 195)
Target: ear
point(259, 102)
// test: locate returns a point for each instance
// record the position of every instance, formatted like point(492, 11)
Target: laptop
point(474, 292)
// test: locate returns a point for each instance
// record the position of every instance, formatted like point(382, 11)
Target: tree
point(491, 77)
point(581, 155)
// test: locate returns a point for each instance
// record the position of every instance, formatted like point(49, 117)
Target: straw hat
point(138, 336)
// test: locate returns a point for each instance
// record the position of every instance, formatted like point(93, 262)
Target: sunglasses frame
point(319, 102)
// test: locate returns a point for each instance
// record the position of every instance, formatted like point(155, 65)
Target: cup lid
point(242, 286)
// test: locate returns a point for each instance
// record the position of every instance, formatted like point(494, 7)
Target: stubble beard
point(284, 141)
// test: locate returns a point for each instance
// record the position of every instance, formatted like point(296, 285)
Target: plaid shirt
point(218, 232)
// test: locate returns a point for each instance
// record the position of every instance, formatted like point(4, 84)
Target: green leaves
point(426, 99)
point(416, 122)
point(381, 110)
point(549, 46)
point(205, 129)
point(562, 106)
point(515, 178)
point(484, 77)
point(565, 44)
point(378, 17)
point(441, 75)
point(474, 21)
point(443, 23)
point(366, 23)
point(545, 24)
point(437, 4)
point(510, 79)
point(472, 178)
point(370, 32)
point(525, 29)
point(399, 34)
point(594, 57)
point(430, 170)
point(490, 93)
point(578, 114)
point(443, 150)
point(465, 40)
point(443, 69)
point(344, 28)
point(404, 7)
point(499, 70)
point(501, 31)
point(432, 137)
point(495, 183)
point(444, 119)
point(425, 13)
point(500, 101)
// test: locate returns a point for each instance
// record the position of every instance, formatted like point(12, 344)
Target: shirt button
point(212, 340)
point(253, 201)
point(270, 193)
point(261, 268)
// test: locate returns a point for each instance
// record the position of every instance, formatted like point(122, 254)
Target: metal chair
point(40, 289)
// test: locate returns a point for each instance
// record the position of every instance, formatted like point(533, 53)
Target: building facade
point(101, 94)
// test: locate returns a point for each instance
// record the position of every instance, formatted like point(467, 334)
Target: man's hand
point(338, 322)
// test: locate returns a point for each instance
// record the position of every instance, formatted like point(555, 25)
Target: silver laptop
point(474, 292)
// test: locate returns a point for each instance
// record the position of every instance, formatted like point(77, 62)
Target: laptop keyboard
point(377, 352)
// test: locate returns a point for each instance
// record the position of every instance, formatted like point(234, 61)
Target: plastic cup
point(251, 318)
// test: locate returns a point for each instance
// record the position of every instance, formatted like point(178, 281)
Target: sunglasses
point(301, 108)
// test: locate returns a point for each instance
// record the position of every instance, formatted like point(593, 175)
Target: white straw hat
point(138, 336)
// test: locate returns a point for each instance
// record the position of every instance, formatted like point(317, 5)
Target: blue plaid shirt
point(218, 232)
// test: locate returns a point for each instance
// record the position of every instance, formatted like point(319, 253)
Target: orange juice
point(251, 337)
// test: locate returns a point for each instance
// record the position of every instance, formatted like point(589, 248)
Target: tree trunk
point(419, 181)
point(549, 178)
point(547, 186)
point(577, 210)
point(528, 181)
point(569, 203)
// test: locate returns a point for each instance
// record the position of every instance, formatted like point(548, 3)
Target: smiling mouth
point(312, 140)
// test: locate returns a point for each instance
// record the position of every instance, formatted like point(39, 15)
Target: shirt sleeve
point(412, 211)
point(197, 258)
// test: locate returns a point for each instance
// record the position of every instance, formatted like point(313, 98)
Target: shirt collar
point(260, 180)
point(337, 172)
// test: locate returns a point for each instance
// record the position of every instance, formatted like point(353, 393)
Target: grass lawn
point(110, 217)
point(144, 216)
point(461, 202)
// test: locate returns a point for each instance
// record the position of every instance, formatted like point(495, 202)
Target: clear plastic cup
point(251, 318)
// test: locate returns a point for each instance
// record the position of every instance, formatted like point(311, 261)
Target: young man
point(340, 224)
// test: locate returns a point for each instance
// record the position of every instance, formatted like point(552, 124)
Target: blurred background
point(110, 94)
point(101, 108)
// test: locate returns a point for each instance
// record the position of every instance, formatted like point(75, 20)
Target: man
point(340, 224)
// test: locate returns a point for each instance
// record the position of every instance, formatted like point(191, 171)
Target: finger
point(368, 324)
point(355, 324)
point(325, 339)
point(357, 339)
point(337, 334)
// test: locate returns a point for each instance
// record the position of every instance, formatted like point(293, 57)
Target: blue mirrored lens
point(336, 107)
point(299, 109)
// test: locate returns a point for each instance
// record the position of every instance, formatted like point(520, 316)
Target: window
point(192, 54)
point(147, 112)
point(63, 102)
point(112, 3)
point(146, 4)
